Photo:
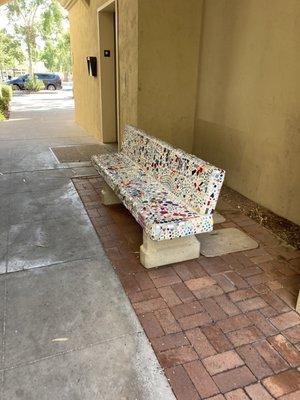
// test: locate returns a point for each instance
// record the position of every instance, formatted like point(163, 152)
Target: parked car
point(51, 81)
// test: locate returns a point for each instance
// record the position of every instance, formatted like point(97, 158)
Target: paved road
point(67, 330)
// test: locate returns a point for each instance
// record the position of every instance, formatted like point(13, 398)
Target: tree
point(11, 52)
point(42, 22)
point(52, 21)
point(24, 15)
point(56, 53)
point(57, 57)
point(64, 54)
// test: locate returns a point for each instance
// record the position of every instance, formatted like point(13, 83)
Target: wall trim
point(68, 4)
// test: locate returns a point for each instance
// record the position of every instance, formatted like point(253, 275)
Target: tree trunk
point(29, 50)
point(30, 67)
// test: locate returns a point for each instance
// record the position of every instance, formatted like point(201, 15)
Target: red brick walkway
point(223, 327)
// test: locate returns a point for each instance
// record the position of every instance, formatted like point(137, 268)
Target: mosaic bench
point(170, 193)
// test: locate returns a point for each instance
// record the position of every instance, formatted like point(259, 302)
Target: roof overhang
point(67, 4)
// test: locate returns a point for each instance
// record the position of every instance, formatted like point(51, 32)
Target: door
point(108, 72)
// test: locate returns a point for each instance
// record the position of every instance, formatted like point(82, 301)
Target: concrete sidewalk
point(67, 329)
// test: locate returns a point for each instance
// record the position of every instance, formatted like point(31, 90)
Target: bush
point(3, 105)
point(5, 97)
point(34, 84)
point(6, 93)
point(2, 117)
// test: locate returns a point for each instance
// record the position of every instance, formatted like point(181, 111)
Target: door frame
point(108, 4)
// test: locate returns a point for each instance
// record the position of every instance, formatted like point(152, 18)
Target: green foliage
point(11, 53)
point(57, 55)
point(6, 93)
point(24, 16)
point(34, 85)
point(42, 22)
point(52, 21)
point(5, 97)
point(64, 53)
point(49, 56)
point(3, 106)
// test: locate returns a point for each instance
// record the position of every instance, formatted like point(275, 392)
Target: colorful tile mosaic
point(170, 193)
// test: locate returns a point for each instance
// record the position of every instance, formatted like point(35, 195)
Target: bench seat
point(170, 193)
point(155, 208)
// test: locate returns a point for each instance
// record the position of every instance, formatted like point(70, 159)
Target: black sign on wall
point(92, 65)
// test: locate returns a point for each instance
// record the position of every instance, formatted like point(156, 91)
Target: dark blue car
point(51, 81)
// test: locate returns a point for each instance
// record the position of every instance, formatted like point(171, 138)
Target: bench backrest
point(196, 182)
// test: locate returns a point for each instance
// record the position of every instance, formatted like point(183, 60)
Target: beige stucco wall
point(158, 66)
point(219, 78)
point(248, 106)
point(84, 42)
point(83, 30)
point(169, 33)
point(128, 62)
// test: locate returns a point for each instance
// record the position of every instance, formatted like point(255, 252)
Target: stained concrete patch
point(47, 179)
point(37, 181)
point(5, 204)
point(2, 313)
point(42, 243)
point(224, 241)
point(57, 309)
point(1, 384)
point(62, 202)
point(218, 218)
point(79, 153)
point(4, 181)
point(121, 369)
point(3, 248)
point(30, 157)
point(5, 157)
point(4, 227)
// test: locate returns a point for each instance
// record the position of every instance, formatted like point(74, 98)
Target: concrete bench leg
point(298, 303)
point(108, 196)
point(156, 253)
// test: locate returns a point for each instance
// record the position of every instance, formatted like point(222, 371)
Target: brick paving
point(222, 327)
